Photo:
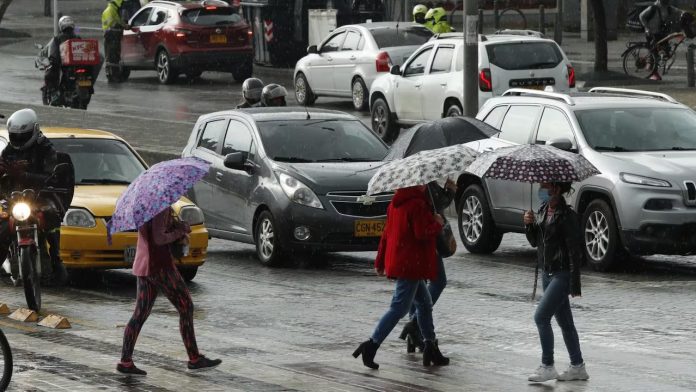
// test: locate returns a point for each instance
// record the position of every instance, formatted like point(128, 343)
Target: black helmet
point(686, 21)
point(274, 95)
point(23, 129)
point(251, 90)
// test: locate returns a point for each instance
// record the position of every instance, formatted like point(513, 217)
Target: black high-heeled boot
point(411, 334)
point(368, 350)
point(432, 354)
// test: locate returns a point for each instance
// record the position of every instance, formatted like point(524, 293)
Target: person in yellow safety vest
point(437, 21)
point(113, 26)
point(419, 12)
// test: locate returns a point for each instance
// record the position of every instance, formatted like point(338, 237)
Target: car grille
point(690, 193)
point(108, 218)
point(355, 204)
point(349, 239)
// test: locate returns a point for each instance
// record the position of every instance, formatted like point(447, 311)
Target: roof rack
point(639, 93)
point(539, 94)
point(528, 33)
point(447, 35)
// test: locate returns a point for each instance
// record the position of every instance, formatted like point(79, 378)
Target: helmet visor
point(20, 139)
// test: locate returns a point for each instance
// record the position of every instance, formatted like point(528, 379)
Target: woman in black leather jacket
point(556, 234)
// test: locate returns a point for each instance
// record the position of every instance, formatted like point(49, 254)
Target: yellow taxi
point(104, 166)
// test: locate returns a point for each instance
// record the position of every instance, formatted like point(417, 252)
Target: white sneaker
point(574, 373)
point(544, 373)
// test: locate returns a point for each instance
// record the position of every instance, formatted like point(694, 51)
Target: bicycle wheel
point(6, 362)
point(639, 61)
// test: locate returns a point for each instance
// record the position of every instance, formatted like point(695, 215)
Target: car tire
point(303, 93)
point(166, 74)
point(476, 226)
point(383, 122)
point(243, 72)
point(188, 273)
point(268, 247)
point(359, 93)
point(602, 244)
point(453, 110)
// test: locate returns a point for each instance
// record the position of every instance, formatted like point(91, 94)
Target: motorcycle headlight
point(191, 215)
point(77, 217)
point(298, 192)
point(646, 181)
point(21, 211)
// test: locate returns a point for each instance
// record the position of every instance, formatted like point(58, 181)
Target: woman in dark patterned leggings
point(155, 269)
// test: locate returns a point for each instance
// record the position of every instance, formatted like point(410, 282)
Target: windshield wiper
point(615, 149)
point(292, 159)
point(682, 149)
point(102, 181)
point(542, 65)
point(348, 159)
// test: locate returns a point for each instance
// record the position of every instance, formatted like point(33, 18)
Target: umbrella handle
point(432, 200)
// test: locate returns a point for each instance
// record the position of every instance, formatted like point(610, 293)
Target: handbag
point(179, 248)
point(446, 243)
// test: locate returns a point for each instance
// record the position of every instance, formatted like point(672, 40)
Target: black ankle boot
point(368, 350)
point(411, 334)
point(432, 354)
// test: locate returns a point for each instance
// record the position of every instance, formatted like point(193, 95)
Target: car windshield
point(211, 16)
point(388, 37)
point(320, 141)
point(101, 161)
point(524, 55)
point(639, 129)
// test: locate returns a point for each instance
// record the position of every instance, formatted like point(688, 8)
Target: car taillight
point(80, 70)
point(211, 7)
point(571, 76)
point(181, 33)
point(250, 35)
point(485, 81)
point(383, 62)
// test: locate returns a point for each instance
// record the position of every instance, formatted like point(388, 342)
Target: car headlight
point(21, 211)
point(646, 181)
point(191, 215)
point(78, 217)
point(299, 192)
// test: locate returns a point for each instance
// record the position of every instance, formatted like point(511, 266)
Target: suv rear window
point(403, 36)
point(211, 17)
point(524, 55)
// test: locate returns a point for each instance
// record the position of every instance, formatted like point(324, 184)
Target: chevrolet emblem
point(366, 200)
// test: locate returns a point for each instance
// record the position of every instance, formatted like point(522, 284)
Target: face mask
point(544, 195)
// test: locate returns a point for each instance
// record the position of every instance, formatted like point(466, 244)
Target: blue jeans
point(435, 287)
point(555, 302)
point(406, 293)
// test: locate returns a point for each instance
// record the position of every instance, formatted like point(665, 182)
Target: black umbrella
point(441, 133)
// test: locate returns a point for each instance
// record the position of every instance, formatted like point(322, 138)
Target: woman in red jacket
point(407, 253)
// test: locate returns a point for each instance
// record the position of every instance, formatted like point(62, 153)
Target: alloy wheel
point(301, 90)
point(358, 94)
point(472, 219)
point(379, 121)
point(597, 235)
point(266, 238)
point(163, 66)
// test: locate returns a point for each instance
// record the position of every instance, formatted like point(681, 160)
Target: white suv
point(644, 145)
point(430, 84)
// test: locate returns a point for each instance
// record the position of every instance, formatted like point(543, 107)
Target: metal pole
point(496, 15)
point(542, 21)
point(470, 72)
point(47, 7)
point(480, 21)
point(690, 75)
point(558, 26)
point(55, 17)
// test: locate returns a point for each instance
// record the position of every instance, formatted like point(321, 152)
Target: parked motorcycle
point(28, 253)
point(76, 84)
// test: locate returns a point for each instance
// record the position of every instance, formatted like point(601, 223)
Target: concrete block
point(55, 321)
point(25, 315)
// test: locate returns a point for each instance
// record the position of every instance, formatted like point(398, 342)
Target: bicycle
point(6, 364)
point(642, 60)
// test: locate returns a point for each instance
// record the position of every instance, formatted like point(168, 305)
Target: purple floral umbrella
point(153, 191)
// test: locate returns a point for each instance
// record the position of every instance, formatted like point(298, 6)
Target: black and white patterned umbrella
point(533, 163)
point(422, 168)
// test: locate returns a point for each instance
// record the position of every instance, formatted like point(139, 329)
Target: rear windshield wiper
point(292, 159)
point(542, 65)
point(615, 149)
point(102, 181)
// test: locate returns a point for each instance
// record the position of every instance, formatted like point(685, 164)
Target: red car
point(187, 37)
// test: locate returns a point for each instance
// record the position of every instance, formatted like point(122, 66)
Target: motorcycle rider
point(113, 26)
point(66, 28)
point(29, 160)
point(273, 95)
point(419, 12)
point(659, 20)
point(437, 21)
point(251, 91)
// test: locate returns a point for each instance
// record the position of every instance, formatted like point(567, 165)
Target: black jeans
point(112, 49)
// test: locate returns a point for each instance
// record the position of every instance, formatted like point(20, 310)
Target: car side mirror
point(395, 70)
point(235, 161)
point(561, 143)
point(312, 50)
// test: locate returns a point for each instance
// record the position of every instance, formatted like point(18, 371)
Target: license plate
point(218, 39)
point(129, 254)
point(369, 228)
point(84, 83)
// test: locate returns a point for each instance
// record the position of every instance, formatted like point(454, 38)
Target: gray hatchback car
point(287, 179)
point(644, 144)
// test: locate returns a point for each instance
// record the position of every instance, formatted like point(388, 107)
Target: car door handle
point(418, 85)
point(218, 176)
point(329, 59)
point(353, 57)
point(443, 84)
